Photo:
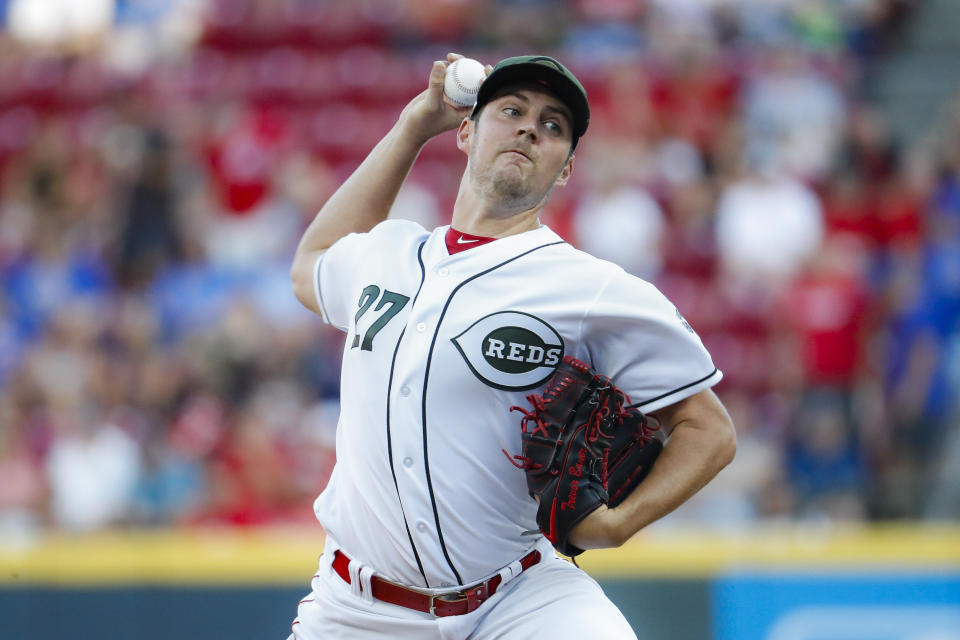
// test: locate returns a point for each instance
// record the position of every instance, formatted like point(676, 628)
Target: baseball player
point(430, 528)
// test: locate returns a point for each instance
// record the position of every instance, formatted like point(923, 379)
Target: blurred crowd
point(156, 172)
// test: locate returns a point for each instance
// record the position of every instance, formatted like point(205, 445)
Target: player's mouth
point(520, 153)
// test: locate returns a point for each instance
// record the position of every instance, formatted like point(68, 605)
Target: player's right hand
point(430, 113)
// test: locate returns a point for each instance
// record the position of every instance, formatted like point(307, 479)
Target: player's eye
point(553, 126)
point(511, 111)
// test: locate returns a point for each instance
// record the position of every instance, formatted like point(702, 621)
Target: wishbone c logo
point(511, 350)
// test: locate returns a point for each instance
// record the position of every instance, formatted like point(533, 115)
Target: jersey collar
point(458, 241)
point(492, 253)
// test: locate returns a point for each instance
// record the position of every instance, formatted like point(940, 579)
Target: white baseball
point(463, 80)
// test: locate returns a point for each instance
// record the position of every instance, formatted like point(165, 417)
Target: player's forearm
point(694, 455)
point(702, 443)
point(362, 202)
point(366, 197)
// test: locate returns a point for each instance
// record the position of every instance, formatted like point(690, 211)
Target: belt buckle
point(443, 597)
point(474, 597)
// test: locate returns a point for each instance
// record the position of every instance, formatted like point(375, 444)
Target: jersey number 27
point(371, 294)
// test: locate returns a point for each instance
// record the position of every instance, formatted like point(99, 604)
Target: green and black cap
point(542, 70)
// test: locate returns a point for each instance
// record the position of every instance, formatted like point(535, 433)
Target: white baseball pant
point(552, 599)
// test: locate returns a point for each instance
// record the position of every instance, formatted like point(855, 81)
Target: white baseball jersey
point(438, 348)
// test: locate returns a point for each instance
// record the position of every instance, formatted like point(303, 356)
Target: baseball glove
point(583, 446)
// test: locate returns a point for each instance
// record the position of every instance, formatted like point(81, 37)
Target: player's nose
point(527, 129)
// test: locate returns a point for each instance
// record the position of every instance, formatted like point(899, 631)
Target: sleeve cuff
point(678, 394)
point(318, 295)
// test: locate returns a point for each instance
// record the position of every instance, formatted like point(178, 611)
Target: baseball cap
point(540, 70)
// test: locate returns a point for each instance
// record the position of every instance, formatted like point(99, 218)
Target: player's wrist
point(418, 128)
point(428, 115)
point(409, 135)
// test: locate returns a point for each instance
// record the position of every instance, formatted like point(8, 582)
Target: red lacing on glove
point(521, 461)
point(536, 416)
point(583, 367)
point(553, 391)
point(606, 473)
point(648, 425)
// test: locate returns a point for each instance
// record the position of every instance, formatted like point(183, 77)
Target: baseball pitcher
point(504, 395)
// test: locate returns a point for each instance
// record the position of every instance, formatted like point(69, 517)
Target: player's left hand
point(585, 449)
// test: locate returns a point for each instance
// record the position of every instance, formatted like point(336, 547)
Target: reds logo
point(511, 350)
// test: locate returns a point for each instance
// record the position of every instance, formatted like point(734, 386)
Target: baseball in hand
point(463, 80)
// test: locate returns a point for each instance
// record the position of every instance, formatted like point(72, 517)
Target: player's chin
point(516, 171)
point(511, 186)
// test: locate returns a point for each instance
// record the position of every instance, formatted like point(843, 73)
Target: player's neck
point(473, 215)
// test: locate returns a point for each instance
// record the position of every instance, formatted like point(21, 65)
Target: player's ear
point(566, 172)
point(465, 134)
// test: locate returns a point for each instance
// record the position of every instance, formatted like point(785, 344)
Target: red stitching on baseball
point(460, 85)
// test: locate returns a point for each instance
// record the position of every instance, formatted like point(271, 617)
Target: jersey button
point(421, 526)
point(443, 271)
point(404, 391)
point(421, 327)
point(408, 461)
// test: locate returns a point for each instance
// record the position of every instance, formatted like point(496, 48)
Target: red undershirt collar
point(458, 241)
